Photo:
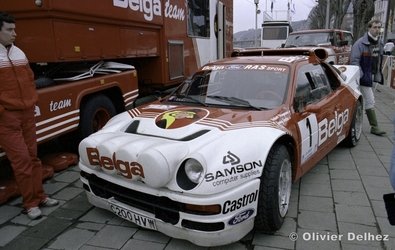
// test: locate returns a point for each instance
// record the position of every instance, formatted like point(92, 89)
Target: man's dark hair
point(6, 18)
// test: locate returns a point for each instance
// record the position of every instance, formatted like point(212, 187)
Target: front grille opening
point(163, 208)
point(206, 227)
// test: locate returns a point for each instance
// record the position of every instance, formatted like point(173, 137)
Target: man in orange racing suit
point(17, 124)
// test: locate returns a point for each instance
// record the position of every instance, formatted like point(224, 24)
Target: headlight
point(194, 170)
point(190, 174)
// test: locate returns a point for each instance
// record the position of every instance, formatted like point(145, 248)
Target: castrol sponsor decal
point(233, 205)
point(128, 169)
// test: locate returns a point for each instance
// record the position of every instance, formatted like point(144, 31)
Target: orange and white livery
point(218, 156)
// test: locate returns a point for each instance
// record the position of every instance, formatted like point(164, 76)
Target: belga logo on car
point(240, 217)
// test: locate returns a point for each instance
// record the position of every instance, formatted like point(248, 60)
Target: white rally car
point(219, 155)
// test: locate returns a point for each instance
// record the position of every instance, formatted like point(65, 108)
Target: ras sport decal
point(178, 118)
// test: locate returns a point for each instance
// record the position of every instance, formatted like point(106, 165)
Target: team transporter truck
point(93, 59)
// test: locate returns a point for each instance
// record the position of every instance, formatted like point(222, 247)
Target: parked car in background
point(339, 40)
point(218, 156)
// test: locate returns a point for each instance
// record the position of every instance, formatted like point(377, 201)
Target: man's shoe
point(33, 213)
point(48, 202)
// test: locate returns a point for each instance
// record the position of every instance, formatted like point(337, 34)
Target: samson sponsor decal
point(233, 205)
point(235, 172)
point(151, 8)
point(231, 158)
point(240, 217)
point(125, 168)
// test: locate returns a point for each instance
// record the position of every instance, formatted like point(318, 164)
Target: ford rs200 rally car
point(218, 156)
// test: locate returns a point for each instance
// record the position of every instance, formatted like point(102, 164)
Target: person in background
point(389, 47)
point(367, 54)
point(17, 123)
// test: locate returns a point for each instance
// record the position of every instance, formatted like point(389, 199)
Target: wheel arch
point(113, 93)
point(289, 142)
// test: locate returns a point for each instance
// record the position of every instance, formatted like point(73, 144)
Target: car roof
point(318, 31)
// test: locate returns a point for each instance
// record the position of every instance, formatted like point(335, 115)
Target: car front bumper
point(159, 209)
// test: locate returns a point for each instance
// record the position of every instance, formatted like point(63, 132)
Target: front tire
point(275, 190)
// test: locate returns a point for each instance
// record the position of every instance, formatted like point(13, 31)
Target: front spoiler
point(230, 234)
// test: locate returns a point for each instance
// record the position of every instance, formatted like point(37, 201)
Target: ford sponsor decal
point(240, 217)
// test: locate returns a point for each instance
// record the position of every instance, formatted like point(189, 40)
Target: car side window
point(338, 39)
point(312, 85)
point(348, 37)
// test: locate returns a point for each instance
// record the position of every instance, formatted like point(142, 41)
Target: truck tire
point(95, 113)
point(275, 190)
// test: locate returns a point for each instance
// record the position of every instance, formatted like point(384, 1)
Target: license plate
point(136, 218)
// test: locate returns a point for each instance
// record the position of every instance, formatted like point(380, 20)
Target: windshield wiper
point(233, 99)
point(190, 98)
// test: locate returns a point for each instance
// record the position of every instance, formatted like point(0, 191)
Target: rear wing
point(315, 55)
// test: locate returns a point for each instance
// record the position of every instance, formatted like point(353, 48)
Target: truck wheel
point(356, 127)
point(275, 190)
point(95, 114)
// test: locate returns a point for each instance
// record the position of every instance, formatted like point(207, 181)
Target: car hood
point(150, 143)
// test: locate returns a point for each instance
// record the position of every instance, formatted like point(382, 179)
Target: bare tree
point(363, 11)
point(337, 11)
point(339, 8)
point(317, 15)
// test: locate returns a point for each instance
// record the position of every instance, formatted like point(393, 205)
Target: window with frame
point(348, 37)
point(199, 18)
point(312, 84)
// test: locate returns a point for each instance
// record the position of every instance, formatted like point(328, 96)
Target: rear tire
point(356, 127)
point(275, 190)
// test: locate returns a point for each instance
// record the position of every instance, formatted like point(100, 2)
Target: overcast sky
point(244, 12)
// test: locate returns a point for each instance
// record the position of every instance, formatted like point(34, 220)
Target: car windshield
point(307, 39)
point(255, 86)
